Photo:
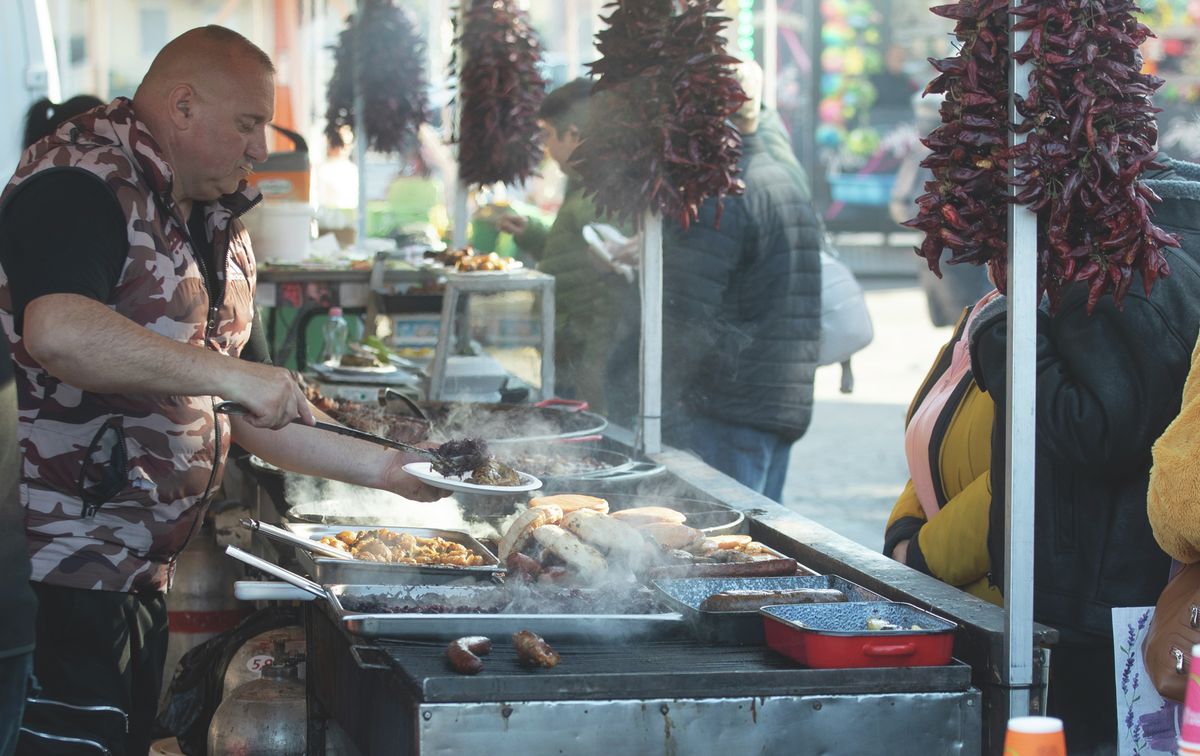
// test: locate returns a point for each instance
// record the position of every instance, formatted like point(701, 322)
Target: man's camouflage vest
point(115, 485)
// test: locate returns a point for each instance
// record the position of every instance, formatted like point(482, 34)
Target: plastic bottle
point(336, 333)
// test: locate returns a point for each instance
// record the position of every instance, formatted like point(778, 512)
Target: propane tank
point(248, 661)
point(200, 603)
point(264, 717)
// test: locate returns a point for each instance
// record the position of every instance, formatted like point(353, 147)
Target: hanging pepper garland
point(393, 78)
point(963, 206)
point(1090, 132)
point(500, 91)
point(662, 139)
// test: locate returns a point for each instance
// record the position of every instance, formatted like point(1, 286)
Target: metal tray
point(328, 571)
point(742, 628)
point(595, 628)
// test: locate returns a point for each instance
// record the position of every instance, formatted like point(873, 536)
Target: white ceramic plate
point(424, 471)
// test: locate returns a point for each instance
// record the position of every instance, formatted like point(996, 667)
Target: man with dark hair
point(742, 312)
point(126, 295)
point(588, 297)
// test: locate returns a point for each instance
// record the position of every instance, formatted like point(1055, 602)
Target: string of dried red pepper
point(500, 91)
point(393, 78)
point(1090, 133)
point(664, 140)
point(963, 206)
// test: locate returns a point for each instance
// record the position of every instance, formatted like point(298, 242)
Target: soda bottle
point(336, 333)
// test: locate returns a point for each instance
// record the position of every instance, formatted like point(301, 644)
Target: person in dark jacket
point(742, 313)
point(1108, 384)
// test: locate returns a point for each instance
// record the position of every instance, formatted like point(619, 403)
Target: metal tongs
point(285, 536)
point(441, 460)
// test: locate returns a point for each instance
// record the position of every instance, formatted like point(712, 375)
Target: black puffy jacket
point(742, 302)
point(1107, 386)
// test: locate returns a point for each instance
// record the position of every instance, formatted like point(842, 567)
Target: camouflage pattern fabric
point(115, 485)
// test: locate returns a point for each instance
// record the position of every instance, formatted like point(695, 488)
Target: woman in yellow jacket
point(1175, 477)
point(939, 524)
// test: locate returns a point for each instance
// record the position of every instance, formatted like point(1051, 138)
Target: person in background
point(1173, 502)
point(939, 525)
point(126, 295)
point(742, 312)
point(1108, 385)
point(44, 115)
point(588, 299)
point(18, 605)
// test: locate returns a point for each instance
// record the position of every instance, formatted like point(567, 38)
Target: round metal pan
point(509, 423)
point(608, 462)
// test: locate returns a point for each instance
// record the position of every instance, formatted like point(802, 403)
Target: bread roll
point(646, 515)
point(521, 530)
point(621, 541)
point(568, 503)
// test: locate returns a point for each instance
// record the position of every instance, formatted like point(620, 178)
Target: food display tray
point(595, 628)
point(835, 636)
point(741, 628)
point(330, 570)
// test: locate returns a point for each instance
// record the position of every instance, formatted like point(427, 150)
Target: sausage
point(533, 651)
point(761, 568)
point(464, 654)
point(555, 574)
point(521, 566)
point(752, 601)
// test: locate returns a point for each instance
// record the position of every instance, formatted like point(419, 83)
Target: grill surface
point(673, 669)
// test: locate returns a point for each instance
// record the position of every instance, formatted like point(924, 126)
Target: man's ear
point(181, 104)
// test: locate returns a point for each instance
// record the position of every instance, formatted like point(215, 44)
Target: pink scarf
point(920, 429)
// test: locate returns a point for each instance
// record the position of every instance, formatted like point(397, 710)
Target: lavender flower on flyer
point(1146, 723)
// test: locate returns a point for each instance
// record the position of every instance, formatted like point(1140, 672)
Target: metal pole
point(770, 53)
point(1020, 450)
point(360, 130)
point(459, 211)
point(649, 435)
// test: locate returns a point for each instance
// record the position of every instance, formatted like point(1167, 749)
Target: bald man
point(127, 292)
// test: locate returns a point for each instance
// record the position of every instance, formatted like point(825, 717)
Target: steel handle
point(890, 649)
point(594, 438)
point(276, 571)
point(267, 590)
point(288, 537)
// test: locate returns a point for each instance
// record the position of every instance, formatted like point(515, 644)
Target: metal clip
point(1194, 617)
point(1179, 659)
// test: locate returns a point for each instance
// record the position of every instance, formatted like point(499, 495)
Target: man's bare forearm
point(311, 451)
point(85, 344)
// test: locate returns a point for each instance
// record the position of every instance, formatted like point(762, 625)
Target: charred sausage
point(522, 566)
point(752, 601)
point(533, 651)
point(464, 654)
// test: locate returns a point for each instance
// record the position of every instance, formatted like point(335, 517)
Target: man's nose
point(257, 149)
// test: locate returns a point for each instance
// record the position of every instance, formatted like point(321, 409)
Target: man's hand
point(399, 482)
point(274, 396)
point(513, 224)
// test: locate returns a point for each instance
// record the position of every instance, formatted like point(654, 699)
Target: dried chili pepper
point(500, 92)
point(663, 140)
point(393, 78)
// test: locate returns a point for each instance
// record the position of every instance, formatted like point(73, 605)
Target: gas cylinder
point(200, 602)
point(264, 717)
point(247, 662)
